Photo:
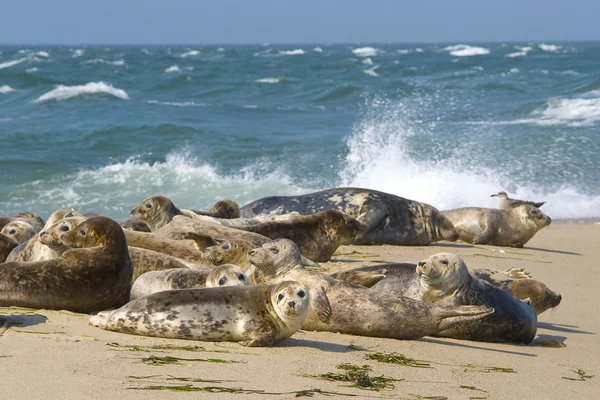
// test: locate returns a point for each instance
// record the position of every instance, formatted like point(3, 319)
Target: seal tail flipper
point(517, 273)
point(451, 316)
point(308, 264)
point(538, 205)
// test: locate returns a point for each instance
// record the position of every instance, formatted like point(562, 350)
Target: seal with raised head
point(227, 209)
point(251, 315)
point(20, 230)
point(355, 309)
point(187, 278)
point(93, 274)
point(511, 227)
point(444, 279)
point(388, 219)
point(158, 211)
point(506, 202)
point(33, 249)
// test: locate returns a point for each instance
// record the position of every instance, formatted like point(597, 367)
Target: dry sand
point(56, 355)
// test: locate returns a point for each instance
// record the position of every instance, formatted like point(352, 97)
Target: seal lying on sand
point(7, 244)
point(94, 274)
point(20, 231)
point(512, 227)
point(33, 249)
point(355, 309)
point(187, 278)
point(251, 315)
point(506, 203)
point(388, 219)
point(444, 279)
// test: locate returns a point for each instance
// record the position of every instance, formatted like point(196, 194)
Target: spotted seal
point(388, 219)
point(94, 274)
point(19, 230)
point(512, 227)
point(358, 310)
point(7, 244)
point(251, 315)
point(187, 278)
point(507, 203)
point(444, 279)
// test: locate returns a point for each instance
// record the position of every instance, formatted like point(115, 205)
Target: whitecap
point(516, 54)
point(78, 53)
point(318, 50)
point(30, 70)
point(172, 68)
point(146, 52)
point(367, 61)
point(176, 103)
point(6, 89)
point(250, 106)
point(549, 47)
point(464, 50)
point(12, 63)
point(220, 49)
point(403, 51)
point(365, 52)
point(514, 70)
point(62, 92)
point(296, 52)
point(102, 61)
point(270, 80)
point(191, 53)
point(419, 50)
point(42, 54)
point(371, 71)
point(477, 68)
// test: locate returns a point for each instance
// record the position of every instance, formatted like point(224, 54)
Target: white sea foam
point(103, 61)
point(78, 53)
point(464, 50)
point(403, 51)
point(191, 53)
point(42, 54)
point(62, 92)
point(549, 47)
point(419, 50)
point(517, 54)
point(318, 50)
point(371, 71)
point(176, 103)
point(30, 70)
point(12, 63)
point(6, 89)
point(477, 68)
point(365, 52)
point(146, 52)
point(270, 80)
point(514, 70)
point(172, 68)
point(250, 106)
point(296, 52)
point(379, 158)
point(367, 61)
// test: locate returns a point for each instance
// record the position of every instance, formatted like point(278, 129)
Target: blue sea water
point(99, 128)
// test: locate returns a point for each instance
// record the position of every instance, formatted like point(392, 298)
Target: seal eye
point(274, 250)
point(280, 297)
point(222, 281)
point(226, 246)
point(301, 294)
point(444, 262)
point(82, 232)
point(148, 205)
point(12, 231)
point(241, 277)
point(63, 228)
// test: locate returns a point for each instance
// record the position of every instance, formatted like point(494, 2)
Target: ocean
point(100, 128)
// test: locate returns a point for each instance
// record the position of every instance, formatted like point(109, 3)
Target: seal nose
point(132, 211)
point(292, 304)
point(251, 252)
point(42, 233)
point(421, 263)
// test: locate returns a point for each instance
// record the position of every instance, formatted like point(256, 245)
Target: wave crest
point(464, 50)
point(62, 92)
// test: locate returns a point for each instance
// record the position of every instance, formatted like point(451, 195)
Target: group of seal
point(248, 274)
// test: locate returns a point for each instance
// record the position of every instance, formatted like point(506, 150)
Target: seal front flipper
point(451, 316)
point(319, 302)
point(372, 218)
point(202, 240)
point(485, 237)
point(363, 278)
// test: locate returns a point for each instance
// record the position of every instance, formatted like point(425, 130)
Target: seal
point(33, 249)
point(189, 256)
point(51, 237)
point(20, 231)
point(135, 225)
point(317, 235)
point(354, 309)
point(181, 225)
point(158, 211)
point(251, 315)
point(7, 244)
point(388, 219)
point(187, 278)
point(34, 219)
point(506, 203)
point(512, 227)
point(227, 209)
point(93, 274)
point(444, 279)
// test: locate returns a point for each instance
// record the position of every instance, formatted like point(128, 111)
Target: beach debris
point(398, 359)
point(488, 369)
point(581, 376)
point(550, 343)
point(358, 376)
point(156, 360)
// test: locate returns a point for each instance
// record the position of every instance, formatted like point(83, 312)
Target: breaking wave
point(62, 92)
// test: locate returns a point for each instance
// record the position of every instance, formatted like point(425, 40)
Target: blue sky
point(288, 21)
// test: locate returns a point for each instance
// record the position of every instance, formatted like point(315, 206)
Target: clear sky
point(301, 21)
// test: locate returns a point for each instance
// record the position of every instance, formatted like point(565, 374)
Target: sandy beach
point(57, 355)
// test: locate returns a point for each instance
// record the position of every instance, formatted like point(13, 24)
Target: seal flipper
point(371, 219)
point(202, 240)
point(308, 264)
point(363, 278)
point(319, 302)
point(485, 237)
point(450, 316)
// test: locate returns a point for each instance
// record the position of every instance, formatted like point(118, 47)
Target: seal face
point(511, 227)
point(388, 219)
point(51, 237)
point(187, 278)
point(338, 306)
point(445, 279)
point(93, 274)
point(20, 231)
point(155, 212)
point(251, 315)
